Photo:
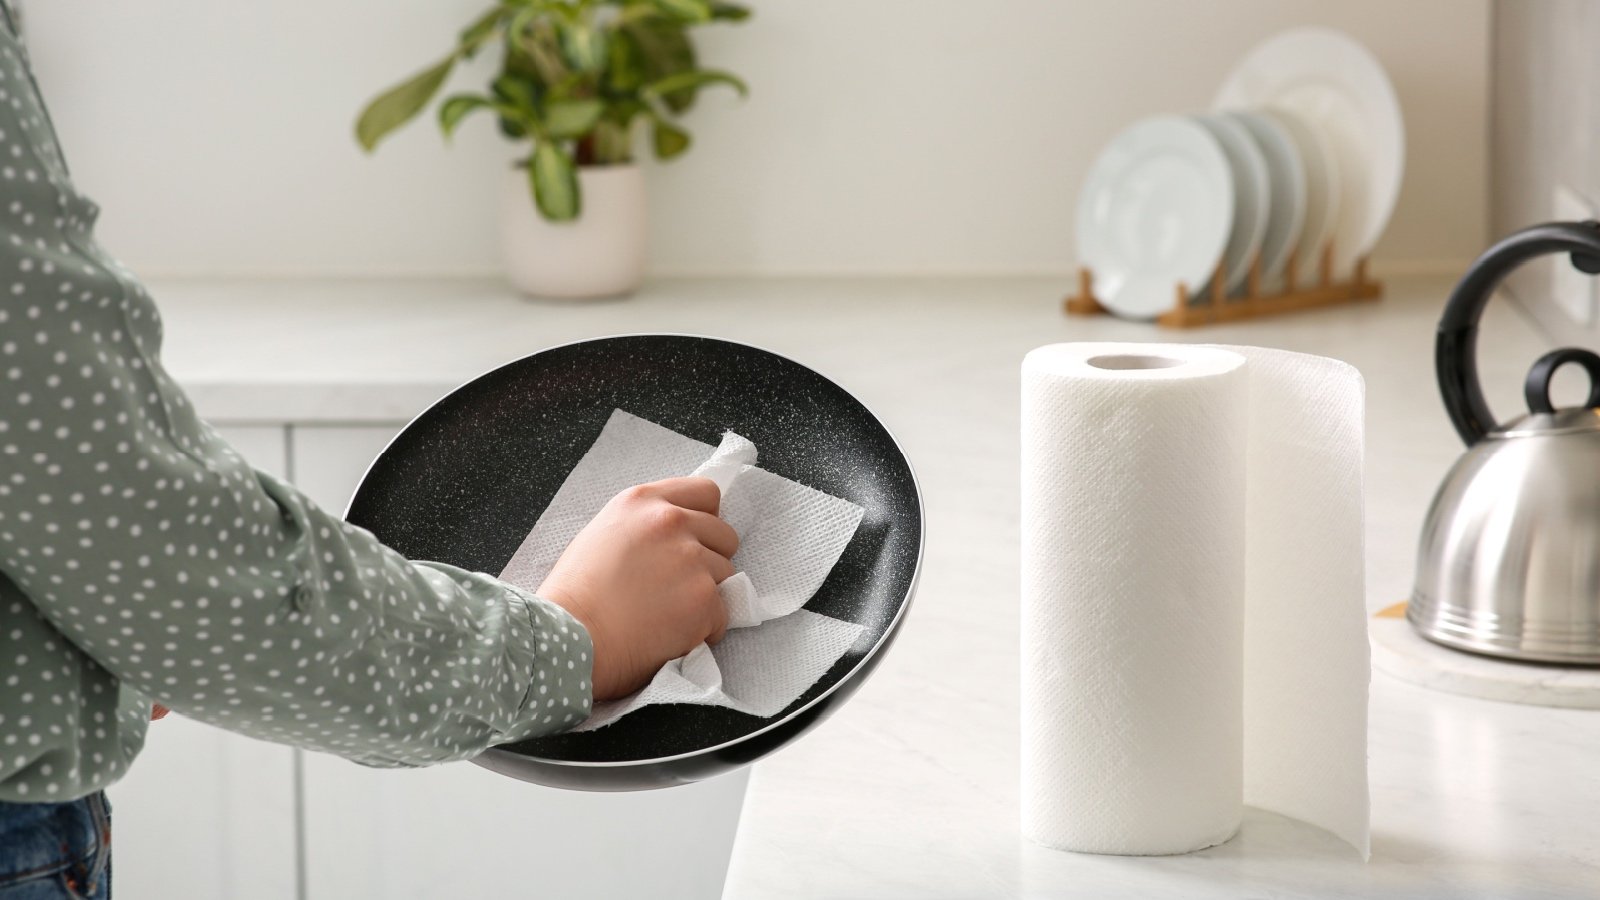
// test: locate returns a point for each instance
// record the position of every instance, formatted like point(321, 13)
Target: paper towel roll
point(1192, 628)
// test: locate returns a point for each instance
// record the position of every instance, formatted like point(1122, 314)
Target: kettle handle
point(1455, 348)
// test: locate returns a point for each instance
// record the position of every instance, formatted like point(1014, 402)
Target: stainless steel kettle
point(1509, 562)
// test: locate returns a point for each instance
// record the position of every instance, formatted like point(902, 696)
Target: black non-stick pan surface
point(467, 479)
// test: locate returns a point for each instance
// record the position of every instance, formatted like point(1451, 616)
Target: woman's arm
point(226, 594)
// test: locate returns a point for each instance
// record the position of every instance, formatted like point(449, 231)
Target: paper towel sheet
point(1193, 617)
point(790, 536)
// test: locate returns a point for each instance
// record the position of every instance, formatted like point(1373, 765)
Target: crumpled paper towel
point(790, 536)
point(1192, 594)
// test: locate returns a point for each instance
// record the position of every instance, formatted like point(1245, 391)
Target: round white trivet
point(1398, 650)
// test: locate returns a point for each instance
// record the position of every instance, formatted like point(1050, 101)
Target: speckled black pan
point(465, 481)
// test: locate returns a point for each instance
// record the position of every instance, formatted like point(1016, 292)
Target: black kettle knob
point(1455, 348)
point(1537, 387)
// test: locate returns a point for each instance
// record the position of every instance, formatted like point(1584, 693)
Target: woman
point(143, 561)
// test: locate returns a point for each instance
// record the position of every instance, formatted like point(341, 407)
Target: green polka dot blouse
point(142, 559)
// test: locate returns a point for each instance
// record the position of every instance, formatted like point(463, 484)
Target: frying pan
point(466, 480)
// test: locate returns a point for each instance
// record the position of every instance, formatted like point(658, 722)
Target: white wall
point(1545, 146)
point(881, 136)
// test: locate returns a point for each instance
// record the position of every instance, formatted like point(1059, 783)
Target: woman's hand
point(642, 577)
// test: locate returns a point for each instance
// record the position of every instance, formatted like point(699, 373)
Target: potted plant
point(576, 78)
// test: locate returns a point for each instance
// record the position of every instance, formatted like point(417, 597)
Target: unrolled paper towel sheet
point(1192, 595)
point(790, 537)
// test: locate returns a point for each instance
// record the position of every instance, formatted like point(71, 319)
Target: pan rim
point(889, 631)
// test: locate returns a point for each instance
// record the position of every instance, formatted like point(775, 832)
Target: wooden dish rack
point(1217, 306)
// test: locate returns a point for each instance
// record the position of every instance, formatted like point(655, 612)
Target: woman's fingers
point(719, 566)
point(713, 533)
point(719, 625)
point(701, 494)
point(701, 498)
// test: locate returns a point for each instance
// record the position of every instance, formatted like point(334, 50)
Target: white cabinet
point(204, 812)
point(458, 830)
point(462, 831)
point(327, 461)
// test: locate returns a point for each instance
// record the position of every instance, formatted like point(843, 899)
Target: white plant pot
point(598, 254)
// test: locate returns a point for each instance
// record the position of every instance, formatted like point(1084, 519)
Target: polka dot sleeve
point(141, 558)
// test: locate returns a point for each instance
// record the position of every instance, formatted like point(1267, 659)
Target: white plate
point(1154, 211)
point(1334, 82)
point(1286, 193)
point(1249, 197)
point(1322, 190)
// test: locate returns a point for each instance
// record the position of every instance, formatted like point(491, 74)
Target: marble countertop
point(911, 789)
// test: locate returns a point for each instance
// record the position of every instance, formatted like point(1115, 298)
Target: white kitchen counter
point(911, 789)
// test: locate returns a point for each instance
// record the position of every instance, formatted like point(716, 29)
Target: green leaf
point(400, 104)
point(456, 108)
point(663, 47)
point(584, 46)
point(669, 139)
point(480, 31)
point(691, 81)
point(686, 10)
point(636, 11)
point(624, 65)
point(555, 182)
point(729, 12)
point(513, 129)
point(571, 118)
point(533, 34)
point(517, 28)
point(516, 62)
point(519, 91)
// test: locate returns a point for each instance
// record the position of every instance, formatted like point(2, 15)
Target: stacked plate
point(1303, 151)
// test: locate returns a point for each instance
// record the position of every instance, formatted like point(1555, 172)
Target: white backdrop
point(881, 136)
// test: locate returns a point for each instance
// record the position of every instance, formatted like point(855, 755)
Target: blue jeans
point(56, 851)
